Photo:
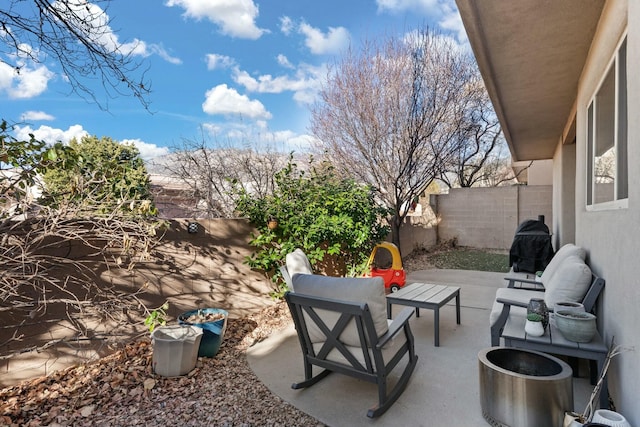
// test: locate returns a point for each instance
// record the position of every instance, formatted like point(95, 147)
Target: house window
point(607, 179)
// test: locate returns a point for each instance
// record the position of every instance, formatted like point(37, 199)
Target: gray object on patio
point(523, 388)
point(571, 281)
point(342, 327)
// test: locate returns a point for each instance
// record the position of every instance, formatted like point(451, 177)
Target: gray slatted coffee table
point(426, 295)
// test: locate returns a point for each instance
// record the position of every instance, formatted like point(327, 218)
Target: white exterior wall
point(564, 189)
point(612, 237)
point(540, 173)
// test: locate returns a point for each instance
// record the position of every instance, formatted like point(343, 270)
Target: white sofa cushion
point(563, 253)
point(570, 282)
point(298, 263)
point(369, 290)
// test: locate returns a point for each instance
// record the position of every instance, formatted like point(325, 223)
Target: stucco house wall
point(612, 236)
point(543, 62)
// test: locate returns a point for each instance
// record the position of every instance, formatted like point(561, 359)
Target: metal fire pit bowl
point(523, 388)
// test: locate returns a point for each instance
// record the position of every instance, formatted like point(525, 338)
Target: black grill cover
point(531, 249)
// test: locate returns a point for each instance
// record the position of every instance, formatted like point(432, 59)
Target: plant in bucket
point(533, 325)
point(213, 322)
point(175, 348)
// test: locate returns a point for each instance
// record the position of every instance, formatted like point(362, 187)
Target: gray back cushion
point(569, 283)
point(563, 253)
point(368, 290)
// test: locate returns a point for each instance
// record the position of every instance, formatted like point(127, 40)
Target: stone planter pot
point(175, 349)
point(576, 326)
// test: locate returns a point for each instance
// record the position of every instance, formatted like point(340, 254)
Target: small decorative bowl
point(568, 306)
point(576, 326)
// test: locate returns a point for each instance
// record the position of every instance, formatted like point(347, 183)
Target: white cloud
point(286, 25)
point(445, 12)
point(266, 83)
point(147, 151)
point(93, 16)
point(50, 135)
point(224, 100)
point(284, 61)
point(302, 143)
point(162, 53)
point(235, 18)
point(259, 135)
point(35, 116)
point(396, 6)
point(305, 82)
point(452, 21)
point(335, 40)
point(215, 61)
point(24, 83)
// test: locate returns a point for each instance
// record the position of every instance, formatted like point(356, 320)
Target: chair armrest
point(511, 302)
point(538, 286)
point(397, 324)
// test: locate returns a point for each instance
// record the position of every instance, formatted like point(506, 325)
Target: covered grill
point(531, 249)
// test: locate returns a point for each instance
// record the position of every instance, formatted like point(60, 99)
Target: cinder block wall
point(479, 217)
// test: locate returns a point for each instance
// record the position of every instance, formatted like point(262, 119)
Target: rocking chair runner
point(351, 336)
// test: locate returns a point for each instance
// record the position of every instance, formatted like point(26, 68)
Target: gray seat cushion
point(369, 290)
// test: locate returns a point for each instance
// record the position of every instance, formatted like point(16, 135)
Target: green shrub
point(317, 211)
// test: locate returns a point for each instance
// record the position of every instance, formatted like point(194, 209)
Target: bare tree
point(388, 114)
point(480, 139)
point(209, 169)
point(77, 35)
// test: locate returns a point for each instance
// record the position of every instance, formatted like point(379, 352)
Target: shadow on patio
point(443, 390)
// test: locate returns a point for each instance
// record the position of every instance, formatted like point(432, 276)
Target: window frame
point(618, 66)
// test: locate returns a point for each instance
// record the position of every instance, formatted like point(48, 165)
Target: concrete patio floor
point(443, 390)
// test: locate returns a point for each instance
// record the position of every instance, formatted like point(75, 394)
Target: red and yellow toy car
point(388, 265)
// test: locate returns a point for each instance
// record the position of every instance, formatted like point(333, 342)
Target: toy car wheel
point(394, 288)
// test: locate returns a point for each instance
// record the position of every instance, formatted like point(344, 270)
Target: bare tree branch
point(209, 169)
point(77, 35)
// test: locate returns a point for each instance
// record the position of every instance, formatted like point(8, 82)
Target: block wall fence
point(476, 217)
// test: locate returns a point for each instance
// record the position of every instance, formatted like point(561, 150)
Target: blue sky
point(224, 70)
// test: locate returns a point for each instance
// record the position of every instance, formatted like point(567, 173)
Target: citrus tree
point(328, 217)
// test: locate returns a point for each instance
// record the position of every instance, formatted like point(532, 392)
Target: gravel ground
point(122, 390)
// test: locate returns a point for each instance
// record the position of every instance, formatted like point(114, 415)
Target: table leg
point(388, 310)
point(436, 326)
point(458, 307)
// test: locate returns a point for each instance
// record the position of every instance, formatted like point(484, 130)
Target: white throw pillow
point(563, 253)
point(369, 290)
point(570, 282)
point(298, 263)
